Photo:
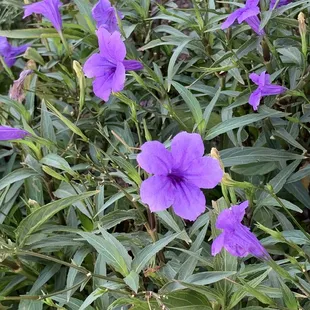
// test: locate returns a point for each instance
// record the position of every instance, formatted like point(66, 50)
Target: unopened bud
point(301, 23)
point(216, 155)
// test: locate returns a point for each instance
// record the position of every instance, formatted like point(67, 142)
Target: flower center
point(176, 177)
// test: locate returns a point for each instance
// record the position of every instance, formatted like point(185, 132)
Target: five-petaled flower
point(10, 133)
point(49, 9)
point(265, 88)
point(109, 66)
point(249, 14)
point(178, 175)
point(105, 15)
point(9, 52)
point(236, 238)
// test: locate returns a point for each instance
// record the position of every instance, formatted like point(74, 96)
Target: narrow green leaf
point(38, 217)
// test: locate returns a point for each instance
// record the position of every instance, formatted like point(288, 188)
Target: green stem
point(270, 190)
point(65, 43)
point(7, 69)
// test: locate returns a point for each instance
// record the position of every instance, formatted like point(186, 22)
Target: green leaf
point(17, 175)
point(237, 122)
point(248, 155)
point(132, 280)
point(68, 123)
point(38, 217)
point(108, 251)
point(143, 257)
point(210, 106)
point(192, 103)
point(173, 59)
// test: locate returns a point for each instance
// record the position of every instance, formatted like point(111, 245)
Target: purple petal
point(96, 65)
point(218, 244)
point(9, 133)
point(248, 13)
point(5, 46)
point(111, 45)
point(185, 147)
point(189, 201)
point(238, 211)
point(105, 15)
point(157, 192)
point(9, 52)
point(204, 172)
point(280, 3)
point(254, 78)
point(255, 98)
point(262, 79)
point(102, 86)
point(254, 23)
point(155, 158)
point(49, 9)
point(231, 18)
point(132, 65)
point(119, 78)
point(243, 242)
point(271, 89)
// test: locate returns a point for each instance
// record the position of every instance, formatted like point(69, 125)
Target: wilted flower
point(109, 66)
point(178, 175)
point(236, 238)
point(105, 15)
point(265, 88)
point(17, 91)
point(248, 14)
point(9, 52)
point(9, 133)
point(49, 9)
point(280, 3)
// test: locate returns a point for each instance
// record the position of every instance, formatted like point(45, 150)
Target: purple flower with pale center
point(49, 9)
point(178, 175)
point(10, 133)
point(109, 66)
point(105, 15)
point(17, 91)
point(248, 14)
point(236, 238)
point(265, 88)
point(280, 3)
point(9, 52)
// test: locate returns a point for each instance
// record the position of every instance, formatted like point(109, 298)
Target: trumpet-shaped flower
point(9, 52)
point(248, 14)
point(265, 88)
point(178, 175)
point(105, 15)
point(108, 67)
point(9, 133)
point(49, 9)
point(236, 238)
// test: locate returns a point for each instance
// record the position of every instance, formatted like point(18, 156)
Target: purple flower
point(105, 15)
point(236, 238)
point(265, 88)
point(49, 9)
point(178, 175)
point(280, 3)
point(9, 52)
point(109, 66)
point(9, 133)
point(249, 14)
point(17, 91)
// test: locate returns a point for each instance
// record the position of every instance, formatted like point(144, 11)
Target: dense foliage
point(76, 227)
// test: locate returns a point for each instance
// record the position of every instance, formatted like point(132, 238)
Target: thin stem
point(270, 190)
point(65, 43)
